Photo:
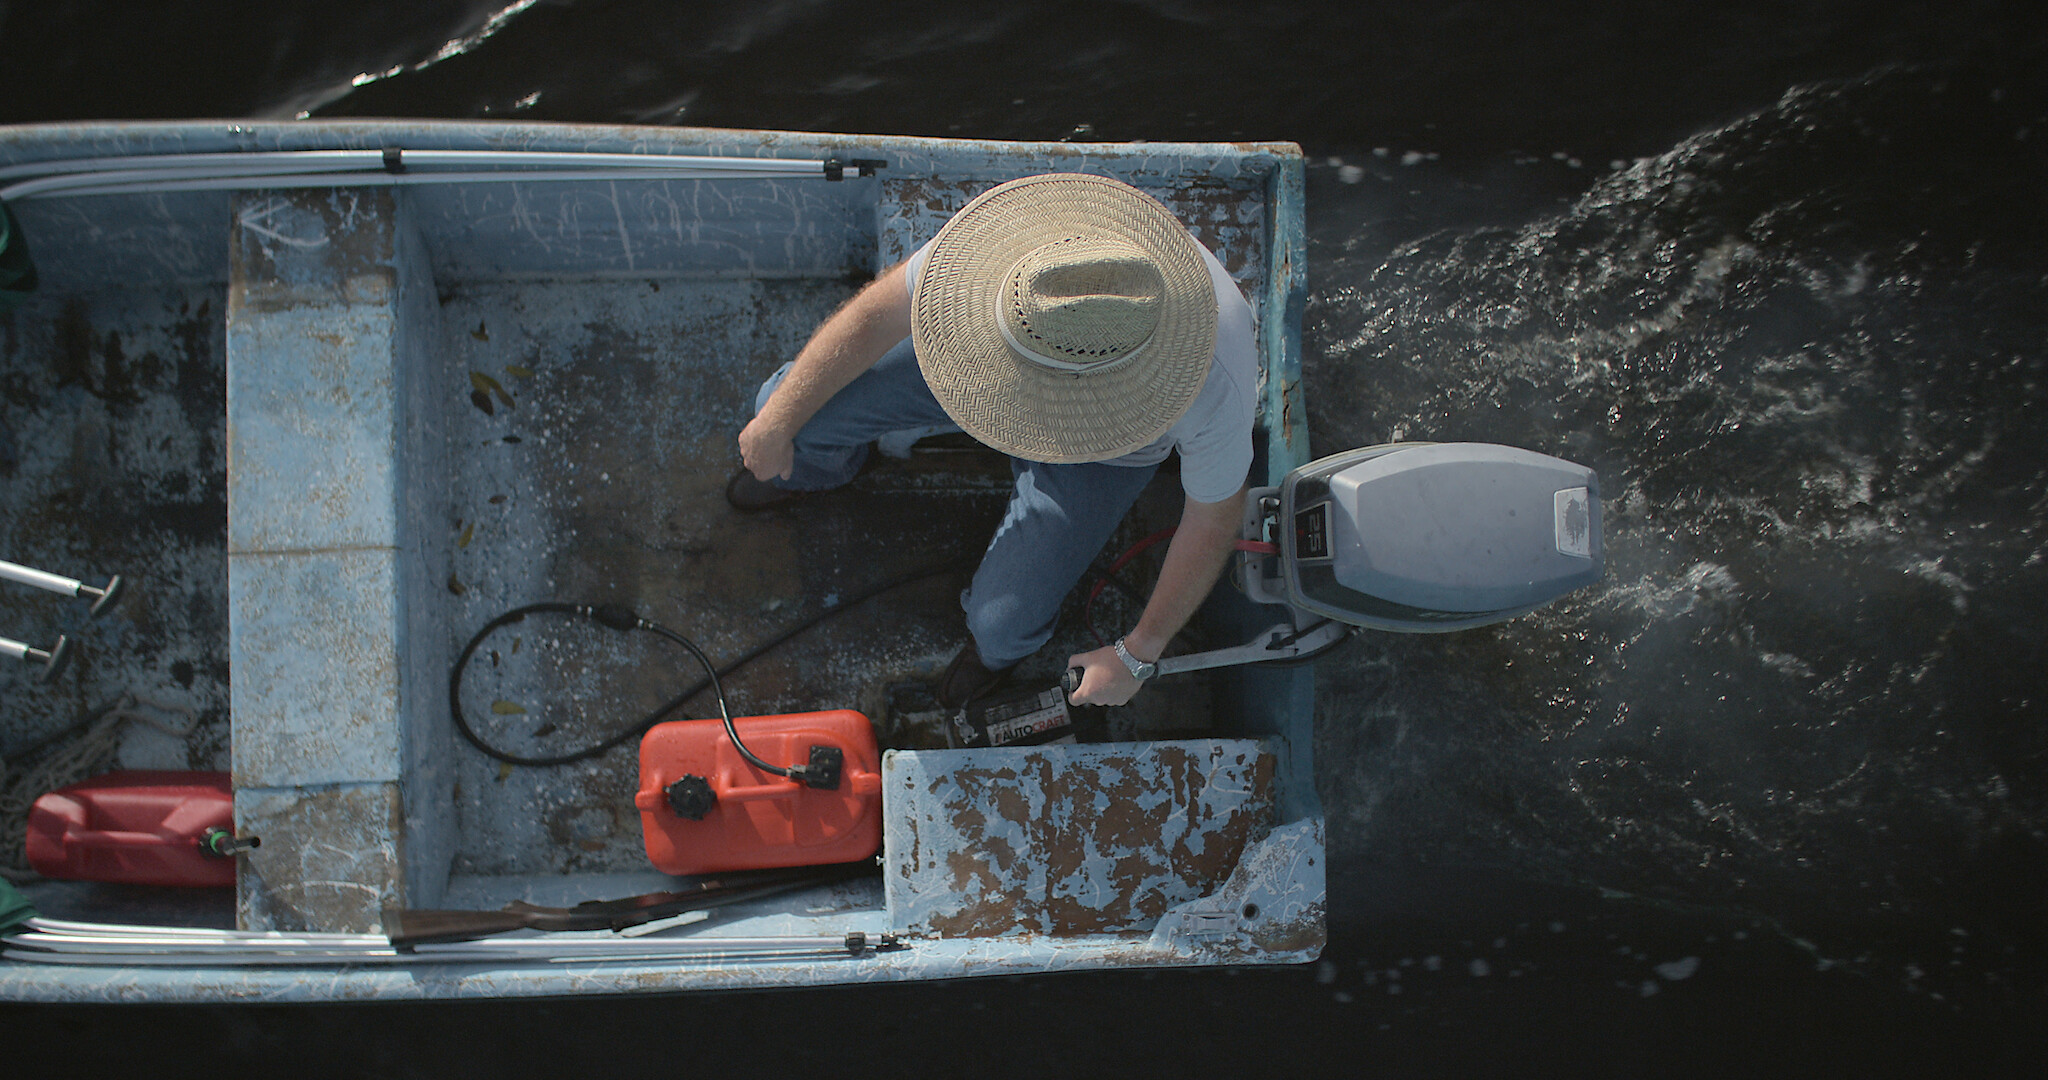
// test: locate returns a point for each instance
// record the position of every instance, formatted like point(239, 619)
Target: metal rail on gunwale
point(386, 167)
point(57, 941)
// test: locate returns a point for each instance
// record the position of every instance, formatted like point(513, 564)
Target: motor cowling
point(1429, 537)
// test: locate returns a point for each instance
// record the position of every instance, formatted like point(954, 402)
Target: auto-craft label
point(1035, 715)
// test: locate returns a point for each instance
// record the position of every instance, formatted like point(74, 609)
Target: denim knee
point(991, 623)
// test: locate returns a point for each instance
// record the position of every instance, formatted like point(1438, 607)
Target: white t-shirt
point(1214, 436)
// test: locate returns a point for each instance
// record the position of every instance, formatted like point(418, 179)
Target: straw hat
point(1064, 318)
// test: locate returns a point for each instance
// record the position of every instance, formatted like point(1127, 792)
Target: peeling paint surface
point(1271, 909)
point(1066, 840)
point(330, 858)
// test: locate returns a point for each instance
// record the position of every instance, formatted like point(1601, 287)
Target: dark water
point(1774, 796)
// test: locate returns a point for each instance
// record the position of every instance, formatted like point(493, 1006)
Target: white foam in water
point(1932, 570)
point(457, 46)
point(1787, 663)
point(1679, 970)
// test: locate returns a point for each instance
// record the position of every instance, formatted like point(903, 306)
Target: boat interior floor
point(604, 484)
point(588, 429)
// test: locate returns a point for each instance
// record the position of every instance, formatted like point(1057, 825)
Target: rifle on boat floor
point(406, 927)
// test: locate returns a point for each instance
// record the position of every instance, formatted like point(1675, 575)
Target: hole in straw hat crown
point(1082, 302)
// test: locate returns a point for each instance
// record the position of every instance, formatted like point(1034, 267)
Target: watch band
point(1139, 669)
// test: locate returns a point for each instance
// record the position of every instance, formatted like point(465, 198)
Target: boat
point(332, 396)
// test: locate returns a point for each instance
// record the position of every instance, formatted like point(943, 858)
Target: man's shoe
point(966, 679)
point(749, 495)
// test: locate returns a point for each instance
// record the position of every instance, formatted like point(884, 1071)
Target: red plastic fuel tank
point(757, 820)
point(140, 827)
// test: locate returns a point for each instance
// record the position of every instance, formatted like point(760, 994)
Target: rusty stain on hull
point(331, 859)
point(1068, 840)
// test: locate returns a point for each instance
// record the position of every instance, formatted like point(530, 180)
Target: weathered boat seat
point(1066, 840)
point(325, 437)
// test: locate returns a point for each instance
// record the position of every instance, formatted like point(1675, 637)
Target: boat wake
point(1803, 354)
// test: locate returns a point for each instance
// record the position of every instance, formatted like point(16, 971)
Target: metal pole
point(329, 160)
point(201, 172)
point(38, 578)
point(41, 579)
point(53, 661)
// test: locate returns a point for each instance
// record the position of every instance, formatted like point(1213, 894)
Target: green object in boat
point(17, 272)
point(14, 907)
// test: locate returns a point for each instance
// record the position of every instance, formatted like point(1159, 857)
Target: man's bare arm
point(846, 345)
point(1200, 547)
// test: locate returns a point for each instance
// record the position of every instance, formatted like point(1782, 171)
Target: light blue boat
point(331, 419)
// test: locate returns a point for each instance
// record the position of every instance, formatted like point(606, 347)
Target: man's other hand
point(766, 452)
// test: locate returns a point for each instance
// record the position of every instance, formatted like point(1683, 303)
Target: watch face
point(1139, 669)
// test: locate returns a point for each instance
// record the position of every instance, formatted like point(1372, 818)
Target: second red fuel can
point(139, 827)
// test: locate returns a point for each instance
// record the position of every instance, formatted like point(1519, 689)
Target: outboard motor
point(1426, 537)
point(1415, 537)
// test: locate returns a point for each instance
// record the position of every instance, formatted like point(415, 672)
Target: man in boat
point(1072, 323)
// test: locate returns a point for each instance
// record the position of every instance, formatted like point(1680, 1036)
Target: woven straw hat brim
point(1020, 406)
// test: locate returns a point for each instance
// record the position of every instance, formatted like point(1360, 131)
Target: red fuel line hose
point(1256, 547)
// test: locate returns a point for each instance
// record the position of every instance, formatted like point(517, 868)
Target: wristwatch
point(1140, 669)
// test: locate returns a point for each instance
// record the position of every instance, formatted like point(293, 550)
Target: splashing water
point(1803, 353)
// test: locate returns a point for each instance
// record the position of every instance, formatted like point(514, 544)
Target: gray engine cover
point(1438, 536)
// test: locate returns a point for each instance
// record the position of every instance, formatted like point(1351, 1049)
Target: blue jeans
point(1059, 516)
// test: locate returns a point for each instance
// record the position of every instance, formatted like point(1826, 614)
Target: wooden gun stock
point(407, 927)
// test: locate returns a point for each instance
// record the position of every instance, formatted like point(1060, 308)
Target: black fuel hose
point(623, 619)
